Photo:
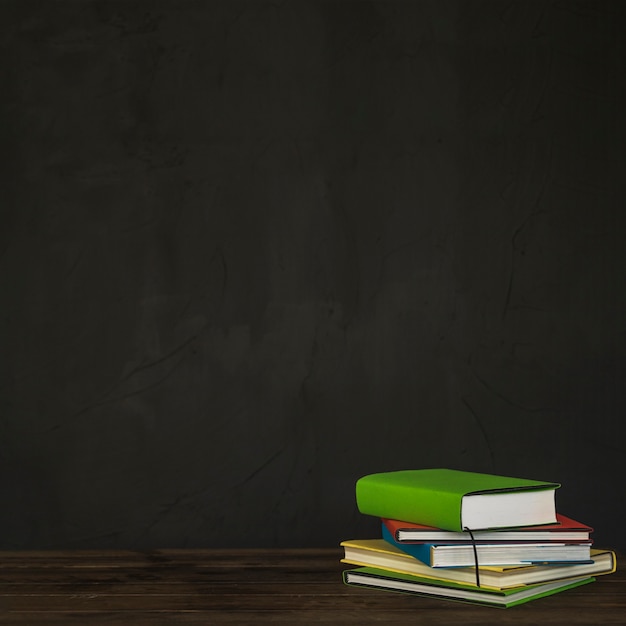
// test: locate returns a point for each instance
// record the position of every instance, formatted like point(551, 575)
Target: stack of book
point(480, 538)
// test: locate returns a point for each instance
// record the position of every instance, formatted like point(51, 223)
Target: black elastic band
point(475, 557)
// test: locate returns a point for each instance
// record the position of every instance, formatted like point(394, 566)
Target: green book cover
point(434, 497)
point(384, 580)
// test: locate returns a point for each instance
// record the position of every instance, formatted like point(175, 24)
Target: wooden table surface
point(252, 587)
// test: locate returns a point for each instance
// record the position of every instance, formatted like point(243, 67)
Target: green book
point(390, 581)
point(456, 500)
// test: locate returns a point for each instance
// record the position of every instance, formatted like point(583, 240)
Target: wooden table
point(252, 587)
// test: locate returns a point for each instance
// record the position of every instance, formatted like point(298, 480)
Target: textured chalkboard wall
point(251, 251)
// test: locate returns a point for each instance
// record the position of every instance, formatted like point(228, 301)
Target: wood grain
point(251, 587)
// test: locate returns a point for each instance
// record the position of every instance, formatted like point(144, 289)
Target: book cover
point(566, 530)
point(468, 554)
point(381, 554)
point(388, 581)
point(456, 500)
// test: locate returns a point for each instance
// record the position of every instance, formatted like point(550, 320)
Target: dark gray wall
point(251, 251)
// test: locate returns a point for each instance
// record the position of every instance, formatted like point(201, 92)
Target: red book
point(566, 530)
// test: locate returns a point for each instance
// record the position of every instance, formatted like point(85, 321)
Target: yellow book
point(381, 554)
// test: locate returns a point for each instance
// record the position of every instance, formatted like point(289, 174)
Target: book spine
point(421, 551)
point(409, 504)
